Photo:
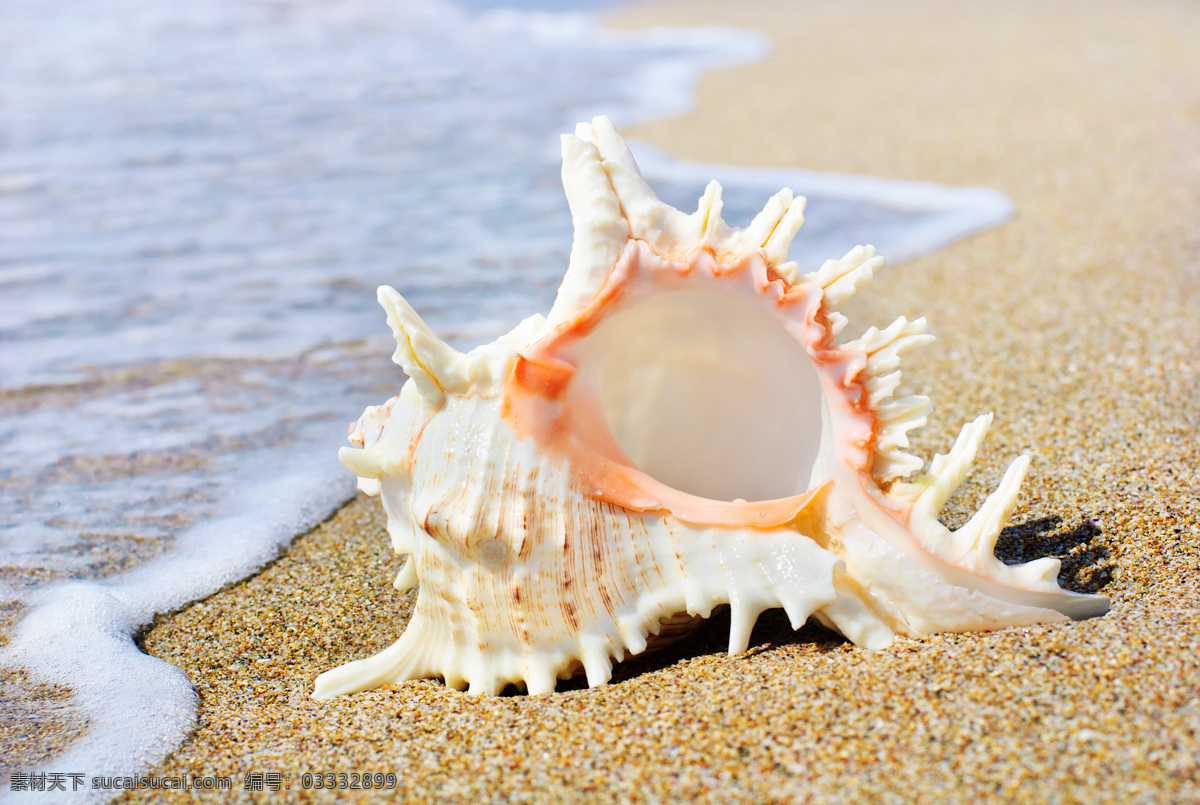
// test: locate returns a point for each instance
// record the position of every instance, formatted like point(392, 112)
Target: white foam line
point(959, 211)
point(668, 85)
point(80, 634)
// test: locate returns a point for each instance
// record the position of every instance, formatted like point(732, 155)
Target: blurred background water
point(197, 201)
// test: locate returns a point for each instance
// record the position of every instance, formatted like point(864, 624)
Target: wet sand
point(1076, 322)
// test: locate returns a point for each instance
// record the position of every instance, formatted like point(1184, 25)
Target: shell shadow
point(1084, 550)
point(772, 630)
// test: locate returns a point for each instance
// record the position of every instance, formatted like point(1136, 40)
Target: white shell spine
point(541, 548)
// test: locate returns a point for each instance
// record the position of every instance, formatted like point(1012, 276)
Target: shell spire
point(681, 433)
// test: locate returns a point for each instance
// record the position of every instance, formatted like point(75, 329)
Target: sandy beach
point(1076, 322)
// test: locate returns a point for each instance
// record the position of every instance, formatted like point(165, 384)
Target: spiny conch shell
point(566, 491)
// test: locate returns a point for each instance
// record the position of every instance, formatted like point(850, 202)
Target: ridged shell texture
point(683, 431)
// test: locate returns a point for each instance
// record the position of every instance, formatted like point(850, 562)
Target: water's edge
point(81, 633)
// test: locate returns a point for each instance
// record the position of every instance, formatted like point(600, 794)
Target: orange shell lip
point(546, 398)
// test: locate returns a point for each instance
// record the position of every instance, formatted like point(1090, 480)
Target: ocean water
point(197, 202)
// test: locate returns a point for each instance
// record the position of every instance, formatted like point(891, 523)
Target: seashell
point(681, 432)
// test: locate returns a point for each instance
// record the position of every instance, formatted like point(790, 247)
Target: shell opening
point(710, 396)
